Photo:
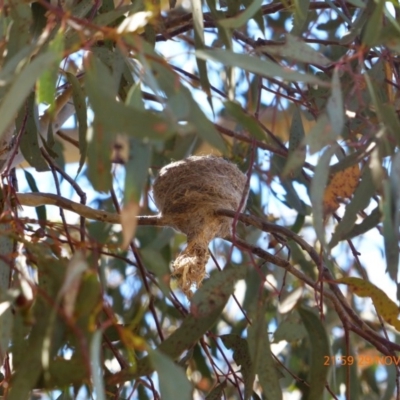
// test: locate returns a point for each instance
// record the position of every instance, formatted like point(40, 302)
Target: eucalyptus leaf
point(257, 66)
point(334, 107)
point(296, 49)
point(242, 18)
point(317, 190)
point(173, 381)
point(21, 86)
point(320, 349)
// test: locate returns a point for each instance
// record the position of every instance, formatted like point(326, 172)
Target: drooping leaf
point(256, 65)
point(371, 221)
point(373, 27)
point(317, 192)
point(99, 157)
point(125, 119)
point(297, 150)
point(96, 364)
point(391, 382)
point(173, 381)
point(241, 356)
point(198, 21)
point(390, 229)
point(296, 49)
point(167, 82)
point(260, 352)
point(6, 323)
point(243, 17)
point(70, 287)
point(21, 87)
point(321, 134)
point(41, 210)
point(79, 100)
point(320, 348)
point(290, 329)
point(247, 121)
point(46, 85)
point(29, 145)
point(334, 106)
point(385, 307)
point(301, 9)
point(19, 35)
point(137, 169)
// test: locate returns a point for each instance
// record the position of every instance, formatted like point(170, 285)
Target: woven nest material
point(187, 193)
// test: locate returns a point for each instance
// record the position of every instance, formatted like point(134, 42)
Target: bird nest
point(188, 193)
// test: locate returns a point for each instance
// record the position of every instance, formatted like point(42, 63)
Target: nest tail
point(189, 267)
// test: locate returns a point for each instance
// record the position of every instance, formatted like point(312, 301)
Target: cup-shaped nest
point(188, 193)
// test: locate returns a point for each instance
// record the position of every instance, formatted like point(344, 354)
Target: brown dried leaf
point(384, 306)
point(342, 185)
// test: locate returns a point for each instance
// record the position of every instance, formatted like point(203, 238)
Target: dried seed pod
point(187, 193)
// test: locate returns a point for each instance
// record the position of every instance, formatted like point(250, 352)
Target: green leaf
point(290, 329)
point(390, 230)
point(97, 365)
point(321, 134)
point(172, 378)
point(260, 351)
point(300, 16)
point(198, 21)
point(360, 200)
point(137, 170)
point(362, 18)
point(257, 66)
point(6, 322)
point(334, 107)
point(99, 162)
point(296, 49)
point(297, 150)
point(46, 85)
point(390, 382)
point(79, 100)
point(374, 25)
point(201, 363)
point(7, 247)
point(202, 125)
point(320, 348)
point(41, 210)
point(134, 97)
point(243, 17)
point(136, 123)
point(317, 190)
point(29, 145)
point(169, 84)
point(292, 198)
point(247, 121)
point(371, 221)
point(21, 87)
point(19, 33)
point(241, 356)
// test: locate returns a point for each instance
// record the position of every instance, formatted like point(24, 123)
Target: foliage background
point(302, 95)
